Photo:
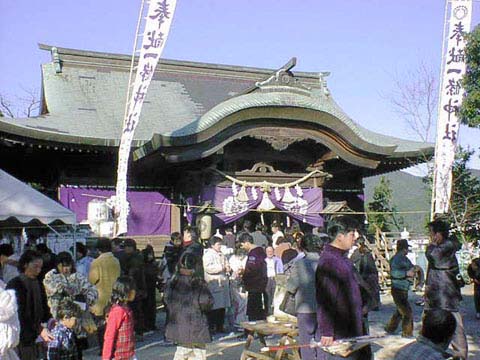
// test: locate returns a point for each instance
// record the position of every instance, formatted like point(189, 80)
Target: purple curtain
point(217, 195)
point(188, 211)
point(222, 199)
point(314, 198)
point(147, 215)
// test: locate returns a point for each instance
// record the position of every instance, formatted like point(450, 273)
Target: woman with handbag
point(237, 290)
point(63, 282)
point(216, 269)
point(301, 283)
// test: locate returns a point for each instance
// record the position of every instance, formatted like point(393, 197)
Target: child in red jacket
point(119, 340)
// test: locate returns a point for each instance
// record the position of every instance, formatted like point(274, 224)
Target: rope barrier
point(265, 184)
point(317, 212)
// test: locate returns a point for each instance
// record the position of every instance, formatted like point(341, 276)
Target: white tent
point(20, 201)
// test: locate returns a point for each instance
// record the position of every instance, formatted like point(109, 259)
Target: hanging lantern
point(288, 221)
point(242, 194)
point(266, 204)
point(262, 219)
point(287, 196)
point(299, 190)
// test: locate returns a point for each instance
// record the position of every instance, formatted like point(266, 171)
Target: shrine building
point(236, 142)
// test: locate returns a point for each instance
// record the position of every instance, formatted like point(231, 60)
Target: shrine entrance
point(270, 217)
point(260, 195)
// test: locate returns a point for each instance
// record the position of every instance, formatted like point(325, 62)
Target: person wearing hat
point(401, 274)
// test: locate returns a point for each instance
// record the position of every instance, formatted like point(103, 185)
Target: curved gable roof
point(186, 103)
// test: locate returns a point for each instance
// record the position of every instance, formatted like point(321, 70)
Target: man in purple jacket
point(339, 304)
point(255, 278)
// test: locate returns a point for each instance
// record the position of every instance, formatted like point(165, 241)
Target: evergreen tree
point(464, 211)
point(470, 109)
point(382, 213)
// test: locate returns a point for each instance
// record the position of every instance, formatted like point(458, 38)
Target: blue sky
point(363, 43)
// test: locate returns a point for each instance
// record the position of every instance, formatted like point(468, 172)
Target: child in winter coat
point(63, 346)
point(188, 299)
point(119, 340)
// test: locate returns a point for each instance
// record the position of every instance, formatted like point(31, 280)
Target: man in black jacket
point(32, 304)
point(255, 278)
point(172, 252)
point(191, 245)
point(135, 268)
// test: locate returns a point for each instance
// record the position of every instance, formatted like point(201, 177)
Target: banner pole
point(440, 85)
point(154, 24)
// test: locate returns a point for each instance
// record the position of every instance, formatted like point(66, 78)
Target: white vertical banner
point(157, 26)
point(450, 98)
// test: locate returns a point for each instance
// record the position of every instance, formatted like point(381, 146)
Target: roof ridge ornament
point(323, 82)
point(281, 78)
point(57, 63)
point(277, 76)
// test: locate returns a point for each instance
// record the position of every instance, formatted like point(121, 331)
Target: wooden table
point(287, 331)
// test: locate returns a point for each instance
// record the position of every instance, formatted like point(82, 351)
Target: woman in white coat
point(217, 270)
point(9, 325)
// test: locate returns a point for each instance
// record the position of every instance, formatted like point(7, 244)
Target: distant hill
point(409, 194)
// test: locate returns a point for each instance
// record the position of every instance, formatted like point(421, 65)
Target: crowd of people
point(52, 304)
point(60, 301)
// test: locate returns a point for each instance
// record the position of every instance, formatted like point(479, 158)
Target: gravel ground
point(153, 347)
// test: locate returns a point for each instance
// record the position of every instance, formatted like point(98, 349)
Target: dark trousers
point(216, 319)
point(100, 322)
point(402, 313)
point(270, 290)
point(307, 330)
point(138, 316)
point(150, 311)
point(82, 344)
point(27, 352)
point(476, 297)
point(257, 305)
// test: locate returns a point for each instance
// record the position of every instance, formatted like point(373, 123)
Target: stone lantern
point(405, 234)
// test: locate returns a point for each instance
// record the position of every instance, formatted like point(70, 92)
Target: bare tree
point(415, 99)
point(6, 107)
point(26, 105)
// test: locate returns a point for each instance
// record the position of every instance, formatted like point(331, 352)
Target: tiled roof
point(85, 101)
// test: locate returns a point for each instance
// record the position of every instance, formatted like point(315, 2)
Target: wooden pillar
point(175, 215)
